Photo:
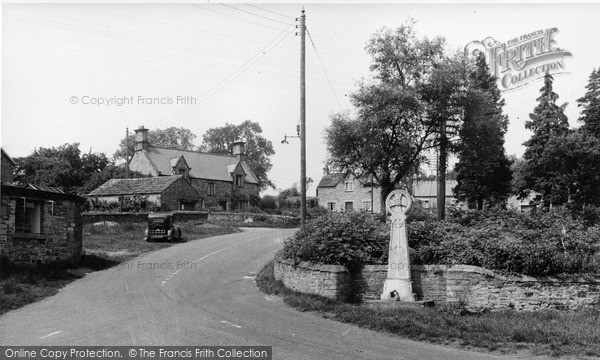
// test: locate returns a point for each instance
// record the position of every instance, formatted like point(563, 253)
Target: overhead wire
point(254, 14)
point(267, 50)
point(271, 11)
point(324, 71)
point(235, 17)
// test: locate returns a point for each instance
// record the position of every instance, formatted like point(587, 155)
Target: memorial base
point(402, 286)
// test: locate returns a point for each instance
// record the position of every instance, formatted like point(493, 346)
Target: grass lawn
point(103, 246)
point(550, 332)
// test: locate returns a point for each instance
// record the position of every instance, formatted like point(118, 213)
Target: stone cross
point(397, 285)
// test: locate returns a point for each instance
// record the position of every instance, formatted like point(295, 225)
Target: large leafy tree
point(170, 138)
point(541, 171)
point(63, 167)
point(483, 171)
point(392, 125)
point(220, 140)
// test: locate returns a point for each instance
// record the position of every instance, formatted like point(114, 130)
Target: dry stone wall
point(472, 286)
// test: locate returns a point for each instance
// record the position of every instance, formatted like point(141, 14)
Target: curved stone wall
point(472, 286)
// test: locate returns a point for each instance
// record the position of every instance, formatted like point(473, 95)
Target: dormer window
point(238, 180)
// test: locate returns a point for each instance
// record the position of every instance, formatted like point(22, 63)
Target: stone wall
point(178, 216)
point(240, 217)
point(471, 286)
point(60, 238)
point(180, 190)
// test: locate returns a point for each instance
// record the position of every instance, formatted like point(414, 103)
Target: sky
point(66, 67)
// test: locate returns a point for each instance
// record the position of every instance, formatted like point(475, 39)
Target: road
point(201, 293)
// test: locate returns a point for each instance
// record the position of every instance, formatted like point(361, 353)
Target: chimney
point(141, 138)
point(326, 170)
point(239, 149)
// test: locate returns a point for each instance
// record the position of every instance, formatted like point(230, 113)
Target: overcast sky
point(240, 61)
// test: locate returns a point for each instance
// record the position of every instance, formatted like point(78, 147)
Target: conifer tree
point(483, 171)
point(543, 171)
point(590, 104)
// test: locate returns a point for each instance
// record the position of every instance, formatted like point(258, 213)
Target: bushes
point(343, 239)
point(552, 242)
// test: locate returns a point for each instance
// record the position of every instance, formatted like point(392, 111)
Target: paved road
point(201, 293)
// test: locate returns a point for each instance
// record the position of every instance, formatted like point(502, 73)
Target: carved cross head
point(398, 203)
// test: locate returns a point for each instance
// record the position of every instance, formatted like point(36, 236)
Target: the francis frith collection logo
point(523, 59)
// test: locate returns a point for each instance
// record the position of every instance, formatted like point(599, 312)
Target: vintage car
point(161, 226)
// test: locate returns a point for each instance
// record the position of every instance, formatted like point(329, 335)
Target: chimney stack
point(239, 149)
point(326, 170)
point(141, 138)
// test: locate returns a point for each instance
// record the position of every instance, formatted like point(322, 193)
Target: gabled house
point(220, 180)
point(340, 192)
point(38, 224)
point(168, 192)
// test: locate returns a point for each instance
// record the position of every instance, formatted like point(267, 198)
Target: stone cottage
point(344, 192)
point(340, 192)
point(38, 225)
point(168, 192)
point(221, 180)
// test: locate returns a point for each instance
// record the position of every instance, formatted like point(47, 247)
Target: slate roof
point(150, 185)
point(37, 191)
point(202, 165)
point(333, 179)
point(330, 180)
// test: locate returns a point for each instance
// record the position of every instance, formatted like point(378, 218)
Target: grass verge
point(549, 332)
point(103, 246)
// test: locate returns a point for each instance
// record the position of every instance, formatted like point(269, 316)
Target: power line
point(251, 13)
point(324, 71)
point(272, 12)
point(262, 54)
point(235, 17)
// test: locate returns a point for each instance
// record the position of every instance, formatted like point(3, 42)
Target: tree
point(386, 138)
point(289, 198)
point(220, 140)
point(483, 170)
point(170, 138)
point(590, 104)
point(541, 171)
point(63, 167)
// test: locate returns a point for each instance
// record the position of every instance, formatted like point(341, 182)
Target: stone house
point(169, 192)
point(221, 180)
point(425, 191)
point(340, 192)
point(38, 225)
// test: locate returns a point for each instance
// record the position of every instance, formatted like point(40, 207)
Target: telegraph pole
point(302, 119)
point(127, 153)
point(441, 184)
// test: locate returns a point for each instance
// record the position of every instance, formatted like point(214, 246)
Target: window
point(238, 180)
point(211, 188)
point(349, 206)
point(331, 206)
point(349, 186)
point(366, 205)
point(28, 216)
point(243, 205)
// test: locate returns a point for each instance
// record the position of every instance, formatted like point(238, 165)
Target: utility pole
point(127, 153)
point(441, 185)
point(302, 119)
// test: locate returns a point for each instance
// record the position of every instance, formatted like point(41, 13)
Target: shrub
point(345, 239)
point(268, 202)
